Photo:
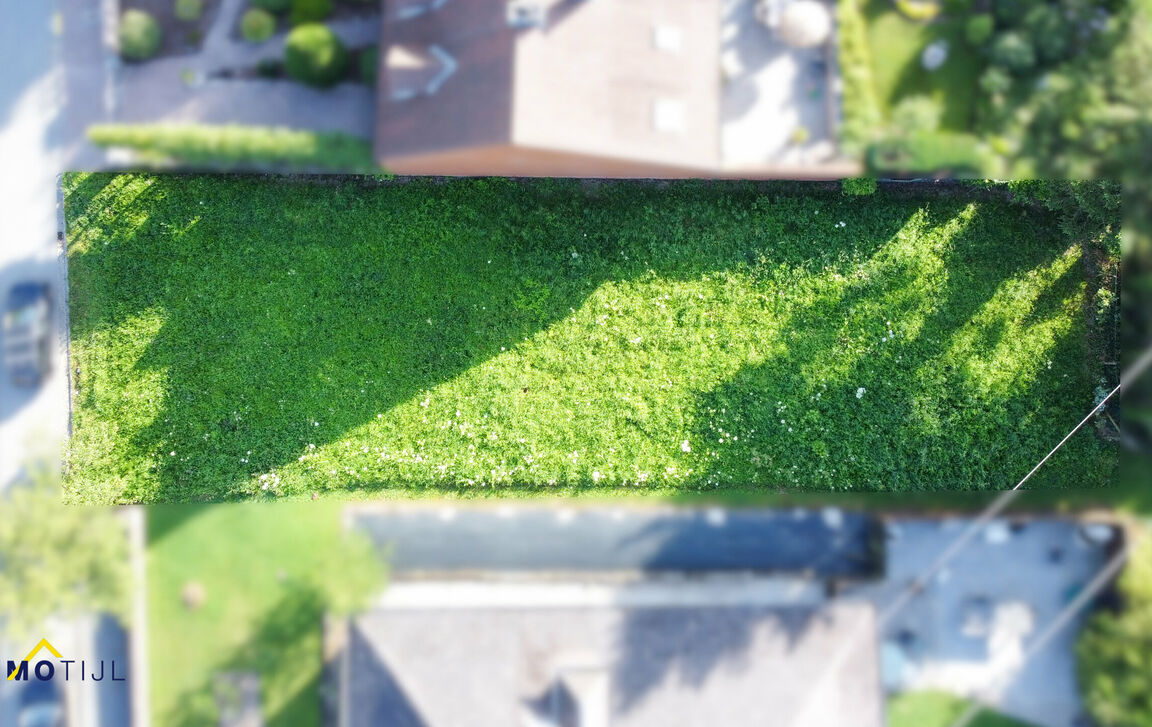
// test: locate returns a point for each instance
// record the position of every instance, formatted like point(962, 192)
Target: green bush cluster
point(979, 28)
point(858, 186)
point(1114, 653)
point(257, 25)
point(1012, 50)
point(917, 113)
point(303, 12)
point(239, 145)
point(140, 35)
point(189, 10)
point(313, 54)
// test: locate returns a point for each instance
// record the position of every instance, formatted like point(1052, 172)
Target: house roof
point(619, 666)
point(826, 543)
point(636, 80)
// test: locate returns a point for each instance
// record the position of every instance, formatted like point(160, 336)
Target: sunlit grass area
point(939, 709)
point(244, 589)
point(244, 337)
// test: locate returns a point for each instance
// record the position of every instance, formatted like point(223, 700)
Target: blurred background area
point(796, 611)
point(697, 88)
point(637, 613)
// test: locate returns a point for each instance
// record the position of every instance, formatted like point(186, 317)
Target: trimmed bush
point(995, 80)
point(917, 113)
point(978, 30)
point(257, 25)
point(858, 186)
point(1013, 51)
point(140, 35)
point(1050, 32)
point(272, 6)
point(369, 58)
point(230, 145)
point(314, 55)
point(309, 11)
point(189, 10)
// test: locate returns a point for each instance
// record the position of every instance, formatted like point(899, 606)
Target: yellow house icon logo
point(45, 669)
point(23, 667)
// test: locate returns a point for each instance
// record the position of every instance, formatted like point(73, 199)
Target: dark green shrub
point(1013, 51)
point(995, 80)
point(309, 11)
point(978, 29)
point(270, 68)
point(272, 6)
point(1010, 11)
point(858, 186)
point(257, 25)
point(1114, 653)
point(189, 10)
point(1050, 32)
point(917, 113)
point(368, 60)
point(314, 55)
point(140, 35)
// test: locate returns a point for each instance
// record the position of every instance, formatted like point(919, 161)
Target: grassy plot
point(266, 578)
point(240, 337)
point(896, 45)
point(939, 709)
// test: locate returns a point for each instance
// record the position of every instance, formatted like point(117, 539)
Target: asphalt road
point(35, 147)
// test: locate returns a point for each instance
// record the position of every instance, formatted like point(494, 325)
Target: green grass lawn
point(896, 44)
point(245, 337)
point(938, 709)
point(266, 573)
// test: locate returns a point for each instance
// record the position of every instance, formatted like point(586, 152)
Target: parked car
point(27, 333)
point(41, 705)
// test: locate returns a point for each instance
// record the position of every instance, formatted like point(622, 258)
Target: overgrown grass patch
point(244, 337)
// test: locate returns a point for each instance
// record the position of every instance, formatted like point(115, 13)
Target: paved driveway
point(1014, 579)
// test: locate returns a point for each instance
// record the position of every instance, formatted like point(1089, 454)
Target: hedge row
point(239, 145)
point(860, 103)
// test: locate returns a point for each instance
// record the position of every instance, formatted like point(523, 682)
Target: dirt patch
point(181, 37)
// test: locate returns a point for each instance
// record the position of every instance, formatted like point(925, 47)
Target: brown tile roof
point(591, 81)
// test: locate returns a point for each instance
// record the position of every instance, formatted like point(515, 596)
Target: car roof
point(26, 292)
point(36, 692)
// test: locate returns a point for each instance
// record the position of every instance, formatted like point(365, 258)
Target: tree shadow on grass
point(281, 647)
point(285, 313)
point(275, 315)
point(975, 340)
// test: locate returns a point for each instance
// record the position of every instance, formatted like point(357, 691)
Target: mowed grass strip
point(240, 337)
